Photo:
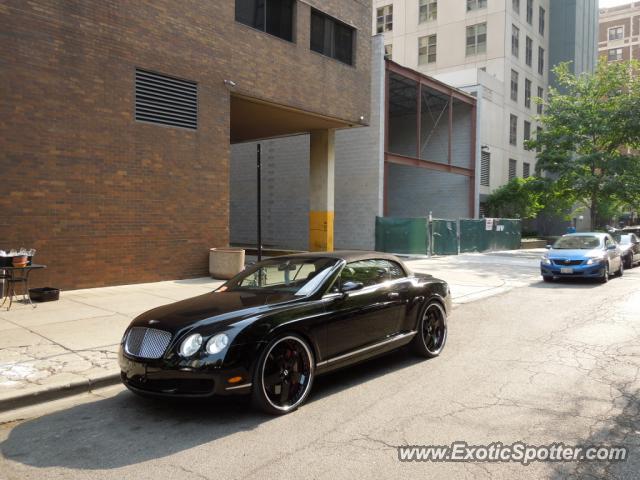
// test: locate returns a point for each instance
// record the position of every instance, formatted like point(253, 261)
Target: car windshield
point(299, 276)
point(577, 242)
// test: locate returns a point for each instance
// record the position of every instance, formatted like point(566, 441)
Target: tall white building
point(495, 49)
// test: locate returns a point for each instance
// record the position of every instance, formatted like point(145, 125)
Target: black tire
point(605, 275)
point(629, 261)
point(620, 271)
point(286, 362)
point(432, 331)
point(547, 278)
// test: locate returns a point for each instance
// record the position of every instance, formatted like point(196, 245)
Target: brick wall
point(105, 199)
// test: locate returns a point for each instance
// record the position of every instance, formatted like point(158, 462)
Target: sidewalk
point(71, 345)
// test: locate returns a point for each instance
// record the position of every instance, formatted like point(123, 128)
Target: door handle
point(393, 295)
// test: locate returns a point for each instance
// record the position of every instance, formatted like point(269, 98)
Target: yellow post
point(321, 190)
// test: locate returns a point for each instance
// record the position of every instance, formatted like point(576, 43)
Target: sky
point(611, 3)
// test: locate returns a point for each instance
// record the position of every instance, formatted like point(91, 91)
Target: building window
point(530, 12)
point(541, 21)
point(388, 51)
point(616, 33)
point(528, 53)
point(527, 130)
point(514, 85)
point(515, 41)
point(485, 168)
point(274, 17)
point(331, 37)
point(427, 49)
point(515, 4)
point(541, 97)
point(477, 39)
point(166, 100)
point(476, 5)
point(614, 54)
point(428, 10)
point(513, 130)
point(541, 60)
point(527, 93)
point(384, 19)
point(526, 170)
point(512, 169)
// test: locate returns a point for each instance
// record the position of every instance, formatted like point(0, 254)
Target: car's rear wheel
point(629, 261)
point(432, 331)
point(283, 376)
point(605, 273)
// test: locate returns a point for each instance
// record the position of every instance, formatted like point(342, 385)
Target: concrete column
point(321, 190)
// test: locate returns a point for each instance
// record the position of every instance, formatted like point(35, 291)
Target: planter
point(44, 294)
point(225, 263)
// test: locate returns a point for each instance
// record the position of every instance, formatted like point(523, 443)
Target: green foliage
point(590, 130)
point(527, 197)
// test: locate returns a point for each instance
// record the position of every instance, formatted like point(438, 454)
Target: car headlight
point(217, 343)
point(190, 345)
point(594, 261)
point(546, 261)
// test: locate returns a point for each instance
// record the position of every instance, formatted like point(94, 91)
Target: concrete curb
point(56, 392)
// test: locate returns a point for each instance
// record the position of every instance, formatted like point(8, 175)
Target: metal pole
point(259, 166)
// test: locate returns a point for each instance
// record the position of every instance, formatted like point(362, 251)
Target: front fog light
point(191, 345)
point(217, 343)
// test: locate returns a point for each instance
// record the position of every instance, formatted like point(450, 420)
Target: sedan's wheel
point(547, 278)
point(620, 271)
point(629, 261)
point(283, 376)
point(605, 273)
point(432, 331)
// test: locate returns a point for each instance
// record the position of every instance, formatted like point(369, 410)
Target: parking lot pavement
point(69, 345)
point(541, 364)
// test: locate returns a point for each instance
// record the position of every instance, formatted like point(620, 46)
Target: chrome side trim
point(397, 338)
point(236, 387)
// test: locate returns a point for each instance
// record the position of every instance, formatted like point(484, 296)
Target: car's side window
point(370, 272)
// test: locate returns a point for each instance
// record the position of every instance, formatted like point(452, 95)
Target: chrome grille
point(147, 342)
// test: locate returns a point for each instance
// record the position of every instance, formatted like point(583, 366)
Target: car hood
point(220, 308)
point(575, 254)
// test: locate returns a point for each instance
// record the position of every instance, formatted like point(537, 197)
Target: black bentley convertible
point(276, 325)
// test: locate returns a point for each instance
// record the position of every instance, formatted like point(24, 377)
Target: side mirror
point(547, 247)
point(351, 286)
point(612, 246)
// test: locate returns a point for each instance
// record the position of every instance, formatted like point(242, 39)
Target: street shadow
point(125, 429)
point(621, 431)
point(569, 283)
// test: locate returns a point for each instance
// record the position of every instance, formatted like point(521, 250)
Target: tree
point(590, 131)
point(527, 197)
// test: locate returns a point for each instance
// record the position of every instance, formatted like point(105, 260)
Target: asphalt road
point(542, 363)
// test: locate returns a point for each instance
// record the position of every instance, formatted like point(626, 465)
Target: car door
point(635, 247)
point(612, 254)
point(363, 317)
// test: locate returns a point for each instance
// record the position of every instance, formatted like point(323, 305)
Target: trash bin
point(225, 263)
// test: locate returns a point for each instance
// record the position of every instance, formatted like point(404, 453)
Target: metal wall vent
point(166, 100)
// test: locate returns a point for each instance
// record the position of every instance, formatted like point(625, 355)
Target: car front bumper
point(578, 271)
point(158, 378)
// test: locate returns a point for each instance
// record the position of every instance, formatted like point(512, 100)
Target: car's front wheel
point(432, 331)
point(283, 376)
point(605, 273)
point(620, 271)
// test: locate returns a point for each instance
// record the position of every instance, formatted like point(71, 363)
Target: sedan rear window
point(578, 242)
